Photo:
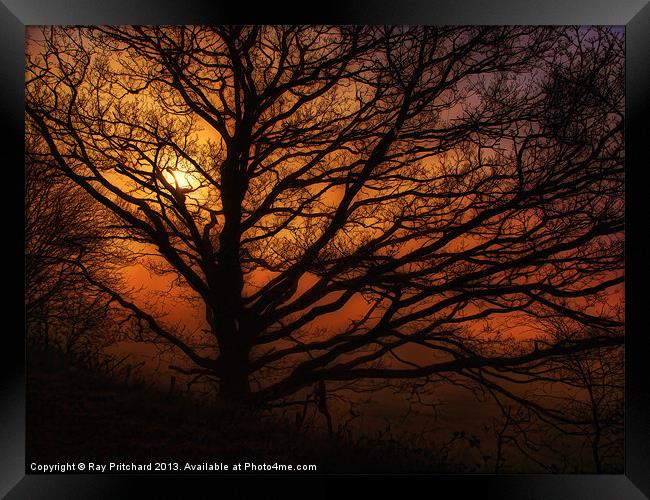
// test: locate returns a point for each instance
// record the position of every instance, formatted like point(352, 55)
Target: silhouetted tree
point(64, 229)
point(423, 180)
point(581, 398)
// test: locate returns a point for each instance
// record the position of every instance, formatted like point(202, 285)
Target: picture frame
point(15, 15)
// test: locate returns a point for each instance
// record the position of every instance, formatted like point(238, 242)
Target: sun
point(182, 179)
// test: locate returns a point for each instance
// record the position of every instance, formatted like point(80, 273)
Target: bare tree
point(422, 179)
point(586, 392)
point(61, 232)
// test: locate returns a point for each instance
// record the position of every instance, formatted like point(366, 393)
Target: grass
point(77, 414)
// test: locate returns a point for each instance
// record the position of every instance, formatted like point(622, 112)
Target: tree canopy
point(440, 179)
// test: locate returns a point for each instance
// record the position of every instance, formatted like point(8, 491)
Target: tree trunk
point(227, 284)
point(234, 356)
point(234, 384)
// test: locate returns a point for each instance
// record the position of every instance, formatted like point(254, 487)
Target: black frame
point(634, 14)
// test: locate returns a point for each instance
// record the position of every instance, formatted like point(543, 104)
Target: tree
point(441, 177)
point(571, 419)
point(64, 229)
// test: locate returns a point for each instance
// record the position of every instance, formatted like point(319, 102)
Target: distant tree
point(570, 419)
point(64, 228)
point(445, 175)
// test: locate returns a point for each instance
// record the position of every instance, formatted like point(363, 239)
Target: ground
point(75, 414)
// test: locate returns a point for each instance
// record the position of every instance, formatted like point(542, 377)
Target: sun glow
point(182, 179)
